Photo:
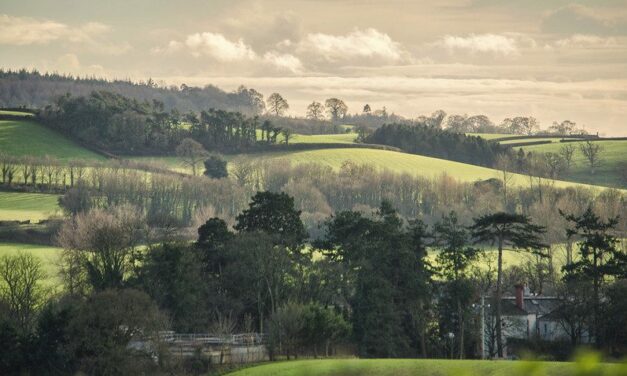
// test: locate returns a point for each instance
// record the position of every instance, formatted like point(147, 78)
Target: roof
point(538, 305)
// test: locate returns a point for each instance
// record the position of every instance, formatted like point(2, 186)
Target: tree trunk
point(499, 278)
point(460, 316)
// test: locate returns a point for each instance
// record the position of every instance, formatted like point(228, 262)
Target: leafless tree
point(192, 154)
point(591, 151)
point(21, 287)
point(567, 151)
point(98, 246)
point(315, 111)
point(336, 108)
point(504, 165)
point(277, 105)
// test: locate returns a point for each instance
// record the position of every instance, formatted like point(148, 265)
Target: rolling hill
point(25, 137)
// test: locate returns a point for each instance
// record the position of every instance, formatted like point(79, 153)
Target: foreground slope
point(422, 367)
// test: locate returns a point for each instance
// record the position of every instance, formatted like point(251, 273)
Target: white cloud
point(358, 43)
point(585, 41)
point(481, 43)
point(218, 47)
point(22, 31)
point(284, 61)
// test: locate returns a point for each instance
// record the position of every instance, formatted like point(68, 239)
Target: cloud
point(25, 31)
point(481, 43)
point(284, 61)
point(215, 45)
point(22, 31)
point(575, 18)
point(585, 41)
point(367, 43)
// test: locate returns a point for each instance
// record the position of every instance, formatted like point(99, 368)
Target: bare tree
point(336, 108)
point(315, 111)
point(192, 154)
point(21, 278)
point(504, 165)
point(277, 105)
point(555, 164)
point(287, 135)
point(567, 151)
point(591, 151)
point(98, 246)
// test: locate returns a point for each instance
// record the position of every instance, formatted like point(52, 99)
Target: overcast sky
point(554, 60)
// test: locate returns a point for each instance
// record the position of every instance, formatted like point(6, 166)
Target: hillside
point(17, 206)
point(398, 162)
point(610, 172)
point(24, 137)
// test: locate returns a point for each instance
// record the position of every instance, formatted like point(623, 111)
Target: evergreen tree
point(598, 257)
point(506, 230)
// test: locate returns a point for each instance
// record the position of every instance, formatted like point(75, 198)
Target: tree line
point(434, 142)
point(35, 90)
point(366, 284)
point(171, 198)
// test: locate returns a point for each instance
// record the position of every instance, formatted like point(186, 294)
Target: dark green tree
point(215, 167)
point(384, 261)
point(454, 257)
point(274, 214)
point(506, 230)
point(598, 257)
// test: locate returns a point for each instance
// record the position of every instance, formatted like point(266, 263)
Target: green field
point(490, 136)
point(20, 138)
point(422, 367)
point(48, 255)
point(27, 206)
point(16, 113)
point(412, 164)
point(341, 138)
point(613, 153)
point(529, 140)
point(398, 162)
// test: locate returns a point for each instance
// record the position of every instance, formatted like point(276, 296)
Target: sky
point(554, 60)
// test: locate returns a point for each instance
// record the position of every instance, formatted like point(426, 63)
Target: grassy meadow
point(22, 138)
point(17, 206)
point(16, 113)
point(426, 367)
point(612, 154)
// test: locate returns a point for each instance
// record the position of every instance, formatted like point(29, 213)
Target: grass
point(48, 255)
point(340, 138)
point(16, 113)
point(422, 367)
point(489, 136)
point(613, 154)
point(27, 206)
point(412, 164)
point(525, 140)
point(21, 138)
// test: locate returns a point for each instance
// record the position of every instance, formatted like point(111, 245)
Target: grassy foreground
point(17, 206)
point(426, 367)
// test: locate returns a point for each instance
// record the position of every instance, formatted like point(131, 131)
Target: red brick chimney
point(520, 296)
